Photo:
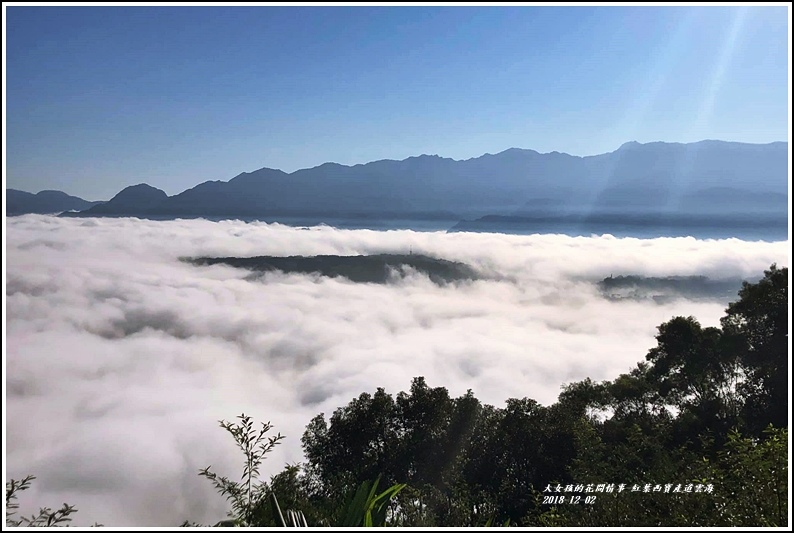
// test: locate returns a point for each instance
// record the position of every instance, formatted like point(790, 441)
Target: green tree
point(46, 517)
point(757, 325)
point(249, 495)
point(357, 444)
point(696, 371)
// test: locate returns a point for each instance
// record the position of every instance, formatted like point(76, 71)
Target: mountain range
point(44, 202)
point(705, 177)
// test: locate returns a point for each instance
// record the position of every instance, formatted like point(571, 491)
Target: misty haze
point(144, 351)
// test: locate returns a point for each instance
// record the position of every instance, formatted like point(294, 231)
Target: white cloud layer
point(121, 359)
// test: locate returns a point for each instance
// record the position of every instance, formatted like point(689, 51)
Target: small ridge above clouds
point(381, 268)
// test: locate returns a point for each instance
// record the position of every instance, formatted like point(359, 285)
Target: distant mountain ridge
point(703, 177)
point(44, 202)
point(132, 200)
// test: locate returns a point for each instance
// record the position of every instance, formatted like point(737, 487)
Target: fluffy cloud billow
point(121, 358)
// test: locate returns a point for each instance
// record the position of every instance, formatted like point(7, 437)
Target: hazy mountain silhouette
point(134, 200)
point(44, 202)
point(702, 177)
point(724, 198)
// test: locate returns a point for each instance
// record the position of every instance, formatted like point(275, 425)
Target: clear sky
point(98, 98)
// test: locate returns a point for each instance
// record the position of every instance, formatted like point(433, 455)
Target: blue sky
point(101, 98)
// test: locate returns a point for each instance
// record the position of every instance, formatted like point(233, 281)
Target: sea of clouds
point(121, 359)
